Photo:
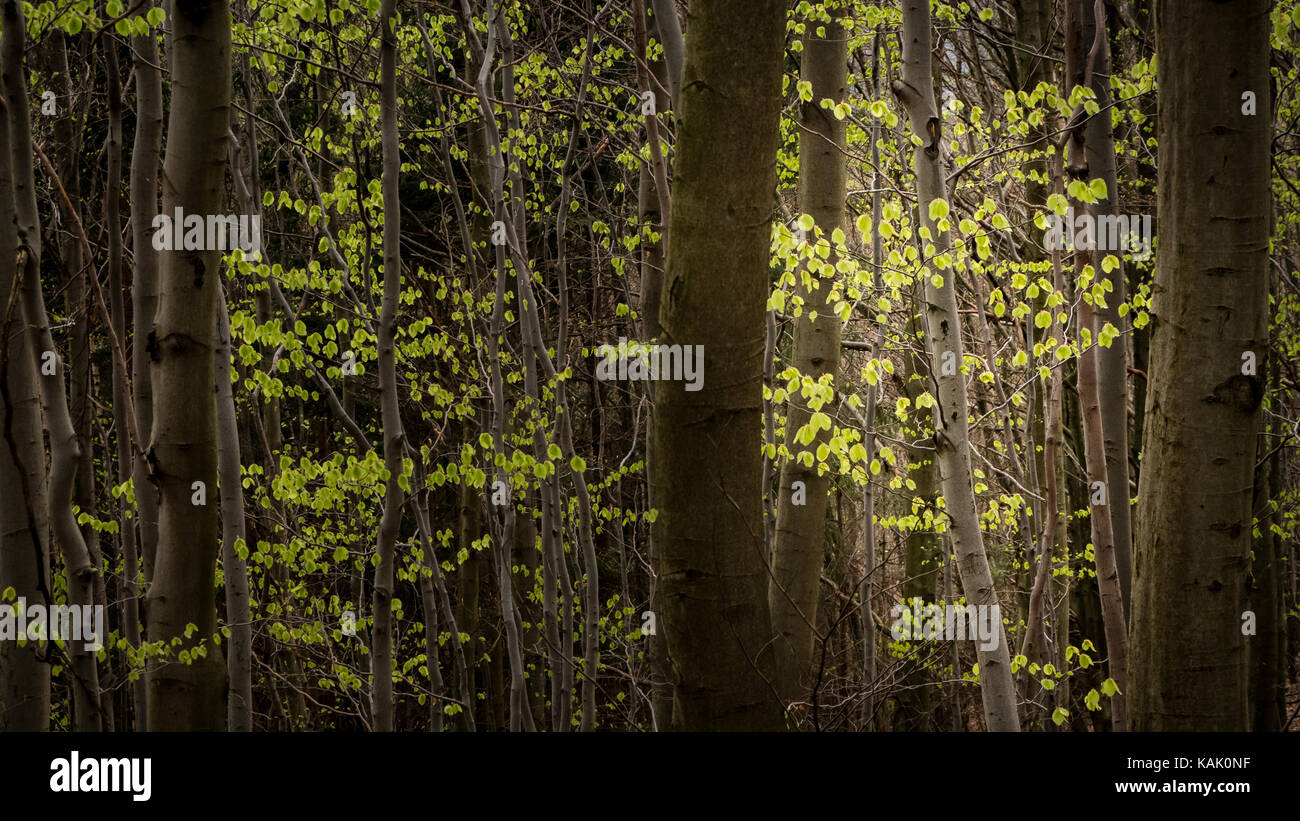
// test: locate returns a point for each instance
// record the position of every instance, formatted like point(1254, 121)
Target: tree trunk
point(24, 676)
point(64, 450)
point(800, 549)
point(381, 663)
point(144, 281)
point(239, 666)
point(183, 448)
point(1113, 360)
point(944, 345)
point(1103, 495)
point(1203, 407)
point(707, 459)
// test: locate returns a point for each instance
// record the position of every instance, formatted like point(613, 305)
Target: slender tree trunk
point(144, 287)
point(800, 549)
point(1101, 493)
point(24, 674)
point(65, 453)
point(669, 29)
point(394, 438)
point(1267, 648)
point(239, 665)
point(944, 344)
point(1204, 395)
point(1112, 360)
point(117, 309)
point(183, 449)
point(707, 460)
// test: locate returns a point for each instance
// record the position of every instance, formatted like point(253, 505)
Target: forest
point(649, 365)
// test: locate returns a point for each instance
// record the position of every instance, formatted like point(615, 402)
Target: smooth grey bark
point(127, 547)
point(800, 547)
point(669, 29)
point(1112, 361)
point(1210, 300)
point(511, 221)
point(652, 212)
point(1079, 71)
point(183, 446)
point(944, 345)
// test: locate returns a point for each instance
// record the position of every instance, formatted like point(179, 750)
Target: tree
point(185, 690)
point(64, 451)
point(707, 463)
point(944, 345)
point(24, 674)
point(1203, 405)
point(795, 586)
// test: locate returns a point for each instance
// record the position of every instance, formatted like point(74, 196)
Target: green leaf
point(578, 464)
point(938, 210)
point(1093, 700)
point(1109, 687)
point(1059, 715)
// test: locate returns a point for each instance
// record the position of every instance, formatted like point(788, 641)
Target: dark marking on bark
point(675, 291)
point(933, 130)
point(1240, 391)
point(199, 270)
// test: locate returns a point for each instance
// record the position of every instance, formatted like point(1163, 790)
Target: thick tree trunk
point(183, 448)
point(800, 548)
point(707, 459)
point(1203, 405)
